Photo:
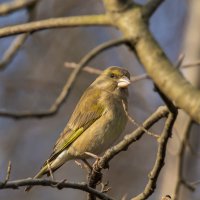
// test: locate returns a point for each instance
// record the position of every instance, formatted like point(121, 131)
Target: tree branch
point(123, 145)
point(181, 154)
point(18, 41)
point(55, 184)
point(151, 7)
point(95, 71)
point(69, 83)
point(90, 20)
point(159, 163)
point(169, 80)
point(8, 8)
point(12, 50)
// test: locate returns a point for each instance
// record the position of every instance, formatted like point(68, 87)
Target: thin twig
point(151, 7)
point(160, 157)
point(123, 145)
point(69, 83)
point(50, 171)
point(88, 69)
point(195, 183)
point(180, 61)
point(136, 124)
point(8, 8)
point(12, 50)
point(191, 149)
point(54, 184)
point(8, 172)
point(180, 164)
point(90, 20)
point(93, 70)
point(18, 41)
point(192, 64)
point(139, 77)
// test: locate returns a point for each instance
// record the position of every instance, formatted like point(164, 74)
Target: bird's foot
point(79, 164)
point(87, 165)
point(92, 155)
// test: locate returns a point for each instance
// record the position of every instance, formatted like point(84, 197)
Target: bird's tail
point(38, 175)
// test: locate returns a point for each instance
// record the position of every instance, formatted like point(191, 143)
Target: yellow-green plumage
point(97, 121)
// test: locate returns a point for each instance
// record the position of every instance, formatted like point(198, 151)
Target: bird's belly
point(100, 135)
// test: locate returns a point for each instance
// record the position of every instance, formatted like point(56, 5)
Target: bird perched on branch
point(97, 121)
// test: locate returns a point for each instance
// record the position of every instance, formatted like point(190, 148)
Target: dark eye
point(112, 75)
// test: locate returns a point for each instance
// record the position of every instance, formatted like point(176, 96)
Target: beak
point(123, 82)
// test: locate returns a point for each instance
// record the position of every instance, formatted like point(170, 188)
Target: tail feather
point(54, 163)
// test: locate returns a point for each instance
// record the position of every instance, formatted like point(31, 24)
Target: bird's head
point(113, 79)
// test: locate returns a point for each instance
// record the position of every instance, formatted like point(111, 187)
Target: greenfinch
point(97, 121)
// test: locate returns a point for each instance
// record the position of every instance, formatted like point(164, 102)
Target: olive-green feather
point(87, 111)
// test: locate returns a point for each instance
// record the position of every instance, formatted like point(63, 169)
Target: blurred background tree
point(33, 79)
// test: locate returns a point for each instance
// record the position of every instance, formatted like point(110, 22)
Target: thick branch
point(55, 184)
point(7, 8)
point(124, 144)
point(168, 79)
point(90, 20)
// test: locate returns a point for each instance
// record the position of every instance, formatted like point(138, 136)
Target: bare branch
point(157, 65)
point(18, 41)
point(193, 64)
point(54, 184)
point(180, 178)
point(7, 8)
point(88, 69)
point(92, 70)
point(159, 163)
point(151, 7)
point(87, 58)
point(70, 81)
point(8, 172)
point(90, 20)
point(12, 50)
point(139, 77)
point(103, 162)
point(180, 61)
point(138, 125)
point(191, 149)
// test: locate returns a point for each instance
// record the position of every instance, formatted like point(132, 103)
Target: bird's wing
point(87, 111)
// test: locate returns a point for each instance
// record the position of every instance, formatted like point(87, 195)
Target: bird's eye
point(112, 75)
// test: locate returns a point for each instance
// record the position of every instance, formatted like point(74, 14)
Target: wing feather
point(87, 111)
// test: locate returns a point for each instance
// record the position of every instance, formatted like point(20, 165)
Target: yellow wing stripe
point(72, 138)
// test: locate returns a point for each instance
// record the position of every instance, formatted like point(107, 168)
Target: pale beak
point(123, 82)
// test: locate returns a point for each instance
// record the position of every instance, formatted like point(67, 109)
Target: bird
point(98, 120)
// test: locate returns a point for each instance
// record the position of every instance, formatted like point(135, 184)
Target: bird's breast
point(102, 133)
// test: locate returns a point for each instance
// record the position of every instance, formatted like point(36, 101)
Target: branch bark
point(151, 7)
point(69, 83)
point(90, 20)
point(123, 145)
point(55, 184)
point(8, 8)
point(132, 23)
